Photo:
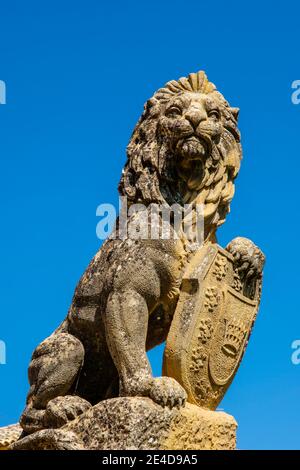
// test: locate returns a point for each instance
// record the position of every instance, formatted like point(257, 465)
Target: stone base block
point(131, 423)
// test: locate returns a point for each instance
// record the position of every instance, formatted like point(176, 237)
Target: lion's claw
point(248, 258)
point(61, 410)
point(167, 392)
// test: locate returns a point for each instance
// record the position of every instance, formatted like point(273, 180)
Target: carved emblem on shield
point(211, 327)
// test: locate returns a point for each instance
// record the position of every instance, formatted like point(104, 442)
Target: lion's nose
point(195, 117)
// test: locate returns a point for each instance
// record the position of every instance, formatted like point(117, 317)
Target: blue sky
point(77, 75)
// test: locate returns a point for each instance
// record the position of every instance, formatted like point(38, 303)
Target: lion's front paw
point(167, 392)
point(249, 260)
point(61, 410)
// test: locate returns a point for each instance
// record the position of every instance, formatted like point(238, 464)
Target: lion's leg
point(126, 323)
point(53, 370)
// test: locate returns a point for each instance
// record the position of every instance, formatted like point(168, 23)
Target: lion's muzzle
point(194, 148)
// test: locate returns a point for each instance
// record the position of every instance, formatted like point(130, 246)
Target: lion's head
point(185, 148)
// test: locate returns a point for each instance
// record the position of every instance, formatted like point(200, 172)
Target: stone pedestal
point(9, 434)
point(138, 423)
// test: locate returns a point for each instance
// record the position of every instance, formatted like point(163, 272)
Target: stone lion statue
point(185, 149)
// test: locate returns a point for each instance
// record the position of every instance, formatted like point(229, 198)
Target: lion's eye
point(173, 111)
point(214, 114)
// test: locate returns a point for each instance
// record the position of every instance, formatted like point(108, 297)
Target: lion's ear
point(235, 113)
point(151, 108)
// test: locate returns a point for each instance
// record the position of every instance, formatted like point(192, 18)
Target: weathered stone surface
point(138, 423)
point(185, 150)
point(212, 323)
point(8, 435)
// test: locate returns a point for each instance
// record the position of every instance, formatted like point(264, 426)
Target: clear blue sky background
point(77, 75)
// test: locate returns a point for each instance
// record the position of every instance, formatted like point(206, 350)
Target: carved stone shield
point(212, 323)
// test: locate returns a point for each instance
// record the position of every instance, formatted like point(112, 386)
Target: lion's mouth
point(193, 148)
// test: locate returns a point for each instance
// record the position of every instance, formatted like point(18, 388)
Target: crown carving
point(234, 336)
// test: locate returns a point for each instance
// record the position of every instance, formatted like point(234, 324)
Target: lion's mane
point(149, 176)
